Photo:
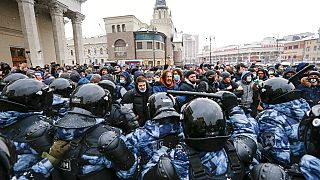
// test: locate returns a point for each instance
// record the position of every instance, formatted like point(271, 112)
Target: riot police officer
point(164, 128)
point(62, 88)
point(84, 147)
point(209, 150)
point(120, 116)
point(309, 133)
point(21, 107)
point(8, 157)
point(278, 123)
point(10, 78)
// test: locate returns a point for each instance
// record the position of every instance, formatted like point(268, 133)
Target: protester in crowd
point(178, 76)
point(116, 73)
point(310, 87)
point(139, 97)
point(149, 78)
point(249, 90)
point(288, 73)
point(189, 84)
point(226, 84)
point(125, 80)
point(166, 83)
point(240, 68)
point(262, 74)
point(209, 84)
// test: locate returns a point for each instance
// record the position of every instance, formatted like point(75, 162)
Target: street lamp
point(318, 46)
point(210, 49)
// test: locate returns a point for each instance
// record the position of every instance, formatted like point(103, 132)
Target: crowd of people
point(221, 121)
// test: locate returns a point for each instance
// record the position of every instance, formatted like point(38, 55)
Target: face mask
point(176, 77)
point(122, 81)
point(313, 80)
point(150, 81)
point(210, 79)
point(142, 90)
point(249, 79)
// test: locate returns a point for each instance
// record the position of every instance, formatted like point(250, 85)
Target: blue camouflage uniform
point(278, 125)
point(215, 163)
point(310, 167)
point(94, 163)
point(27, 156)
point(61, 105)
point(145, 140)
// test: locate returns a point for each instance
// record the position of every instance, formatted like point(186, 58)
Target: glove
point(229, 101)
point(57, 151)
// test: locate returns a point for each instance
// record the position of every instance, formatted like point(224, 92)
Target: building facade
point(95, 50)
point(265, 52)
point(190, 48)
point(33, 31)
point(131, 40)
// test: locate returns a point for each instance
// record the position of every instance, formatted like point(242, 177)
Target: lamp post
point(210, 39)
point(318, 46)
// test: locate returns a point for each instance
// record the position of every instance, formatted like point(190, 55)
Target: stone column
point(30, 31)
point(56, 10)
point(77, 19)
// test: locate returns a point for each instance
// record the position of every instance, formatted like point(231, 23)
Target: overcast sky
point(229, 21)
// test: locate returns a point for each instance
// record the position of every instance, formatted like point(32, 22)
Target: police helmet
point(92, 98)
point(162, 105)
point(267, 171)
point(62, 87)
point(13, 77)
point(309, 131)
point(110, 86)
point(278, 90)
point(30, 94)
point(205, 126)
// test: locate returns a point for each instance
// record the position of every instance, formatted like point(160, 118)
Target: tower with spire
point(162, 22)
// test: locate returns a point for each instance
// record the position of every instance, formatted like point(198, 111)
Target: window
point(290, 47)
point(308, 48)
point(95, 51)
point(101, 51)
point(157, 45)
point(102, 61)
point(123, 28)
point(120, 48)
point(139, 45)
point(162, 46)
point(149, 45)
point(307, 56)
point(314, 48)
point(71, 52)
point(158, 63)
point(113, 28)
point(285, 48)
point(294, 56)
point(289, 57)
point(96, 61)
point(313, 59)
point(295, 47)
point(89, 52)
point(118, 28)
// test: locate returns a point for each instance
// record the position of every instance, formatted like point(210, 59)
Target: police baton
point(217, 95)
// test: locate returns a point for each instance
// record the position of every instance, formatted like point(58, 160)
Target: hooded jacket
point(278, 125)
point(162, 87)
point(247, 96)
point(128, 80)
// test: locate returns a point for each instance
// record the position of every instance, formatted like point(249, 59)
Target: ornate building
point(32, 31)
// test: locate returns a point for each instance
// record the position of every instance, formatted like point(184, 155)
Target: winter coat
point(139, 101)
point(310, 93)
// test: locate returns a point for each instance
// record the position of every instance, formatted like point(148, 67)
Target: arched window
point(101, 51)
point(118, 28)
point(124, 28)
point(71, 52)
point(113, 28)
point(120, 48)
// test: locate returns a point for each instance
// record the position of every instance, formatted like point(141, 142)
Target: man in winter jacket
point(310, 87)
point(125, 80)
point(139, 97)
point(249, 88)
point(189, 84)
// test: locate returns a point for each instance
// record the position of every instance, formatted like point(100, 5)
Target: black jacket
point(187, 86)
point(139, 101)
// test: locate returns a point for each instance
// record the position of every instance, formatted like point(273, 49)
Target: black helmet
point(62, 87)
point(309, 131)
point(162, 105)
point(267, 171)
point(13, 77)
point(5, 68)
point(30, 94)
point(92, 98)
point(110, 86)
point(205, 126)
point(278, 90)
